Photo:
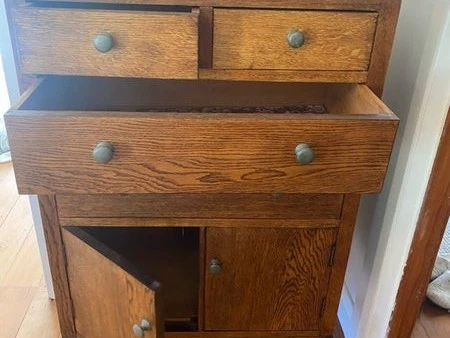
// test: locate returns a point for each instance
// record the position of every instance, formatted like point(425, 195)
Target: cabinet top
point(319, 4)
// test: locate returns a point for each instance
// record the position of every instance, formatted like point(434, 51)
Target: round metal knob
point(296, 38)
point(139, 330)
point(104, 42)
point(215, 266)
point(304, 153)
point(103, 152)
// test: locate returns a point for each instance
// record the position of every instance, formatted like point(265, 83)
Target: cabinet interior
point(169, 256)
point(71, 93)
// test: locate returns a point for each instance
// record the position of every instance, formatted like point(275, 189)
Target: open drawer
point(98, 135)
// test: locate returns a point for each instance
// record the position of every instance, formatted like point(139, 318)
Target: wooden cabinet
point(199, 163)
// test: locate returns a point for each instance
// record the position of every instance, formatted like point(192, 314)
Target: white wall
point(418, 91)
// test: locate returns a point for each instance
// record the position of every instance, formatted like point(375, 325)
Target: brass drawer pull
point(304, 153)
point(104, 42)
point(103, 152)
point(296, 38)
point(139, 330)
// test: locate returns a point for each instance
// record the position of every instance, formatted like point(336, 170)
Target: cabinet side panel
point(343, 244)
point(52, 232)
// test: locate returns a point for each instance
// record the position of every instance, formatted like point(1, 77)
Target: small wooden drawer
point(321, 40)
point(107, 42)
point(156, 136)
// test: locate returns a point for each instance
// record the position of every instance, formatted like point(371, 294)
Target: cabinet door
point(266, 279)
point(110, 297)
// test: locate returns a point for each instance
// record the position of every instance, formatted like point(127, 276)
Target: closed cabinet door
point(110, 297)
point(266, 279)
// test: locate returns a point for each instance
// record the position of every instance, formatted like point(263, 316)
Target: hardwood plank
point(27, 255)
point(146, 43)
point(13, 233)
point(14, 303)
point(419, 331)
point(199, 222)
point(206, 21)
point(41, 319)
point(434, 320)
point(8, 194)
point(427, 238)
point(5, 169)
point(270, 279)
point(327, 76)
point(202, 272)
point(300, 4)
point(56, 254)
point(343, 245)
point(333, 40)
point(274, 206)
point(382, 46)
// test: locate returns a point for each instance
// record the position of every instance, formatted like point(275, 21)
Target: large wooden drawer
point(172, 140)
point(326, 40)
point(142, 43)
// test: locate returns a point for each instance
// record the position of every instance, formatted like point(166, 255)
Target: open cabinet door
point(110, 297)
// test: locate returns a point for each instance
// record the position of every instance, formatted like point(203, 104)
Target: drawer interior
point(143, 95)
point(168, 255)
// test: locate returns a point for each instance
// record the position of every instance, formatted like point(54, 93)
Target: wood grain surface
point(343, 245)
point(107, 300)
point(202, 152)
point(257, 39)
point(60, 41)
point(170, 255)
point(58, 266)
point(275, 206)
point(275, 75)
point(271, 279)
point(382, 46)
point(199, 222)
point(303, 4)
point(161, 153)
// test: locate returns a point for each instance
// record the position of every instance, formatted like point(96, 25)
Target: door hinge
point(332, 254)
point(322, 307)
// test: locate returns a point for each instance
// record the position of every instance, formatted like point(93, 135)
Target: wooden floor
point(25, 309)
point(433, 322)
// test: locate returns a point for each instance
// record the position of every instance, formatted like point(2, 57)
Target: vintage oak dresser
point(199, 163)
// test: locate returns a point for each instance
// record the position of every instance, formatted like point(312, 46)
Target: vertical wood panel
point(271, 279)
point(343, 245)
point(382, 45)
point(52, 232)
point(107, 300)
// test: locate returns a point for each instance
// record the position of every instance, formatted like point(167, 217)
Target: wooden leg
point(343, 245)
point(55, 248)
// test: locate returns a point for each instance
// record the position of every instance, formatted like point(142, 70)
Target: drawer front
point(258, 39)
point(61, 145)
point(107, 43)
point(226, 153)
